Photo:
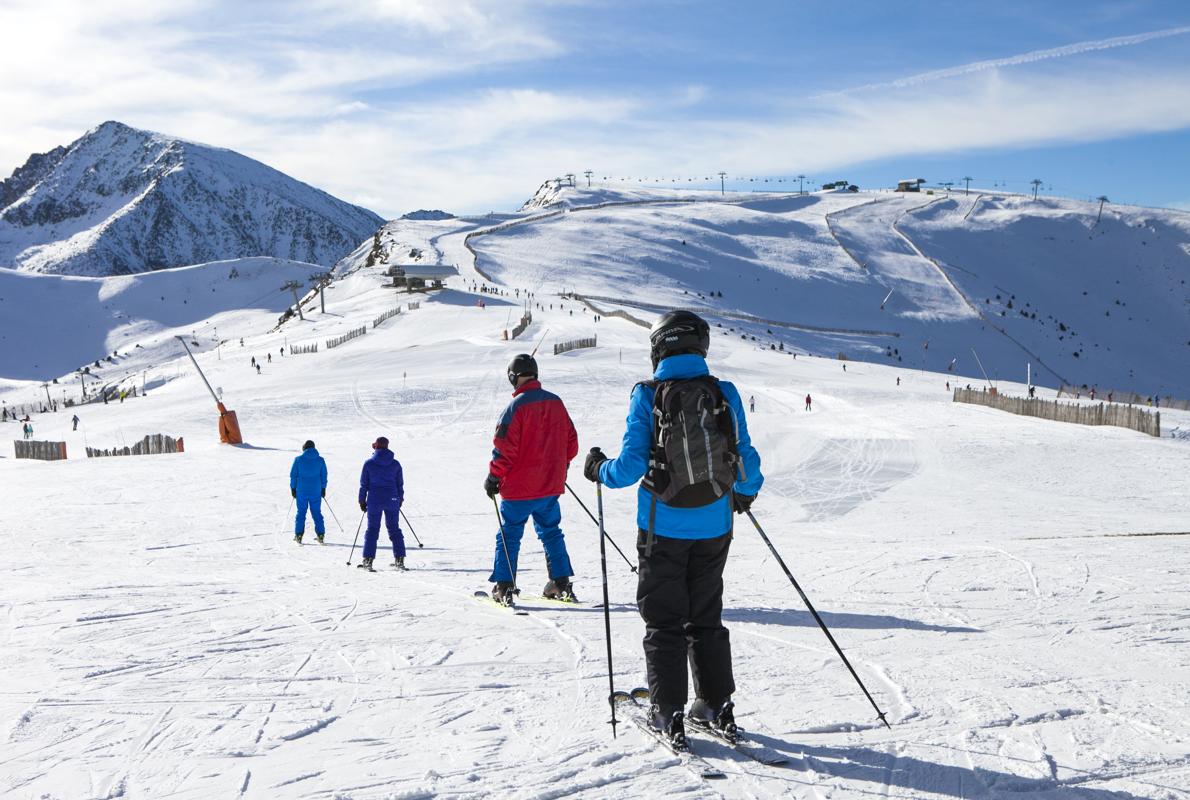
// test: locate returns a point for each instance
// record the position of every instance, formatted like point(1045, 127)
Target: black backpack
point(695, 452)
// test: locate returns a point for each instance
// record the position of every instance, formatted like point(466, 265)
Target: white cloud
point(316, 89)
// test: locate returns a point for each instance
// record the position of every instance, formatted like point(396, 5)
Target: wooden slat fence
point(526, 319)
point(1121, 416)
point(153, 444)
point(347, 337)
point(392, 312)
point(302, 349)
point(42, 451)
point(573, 344)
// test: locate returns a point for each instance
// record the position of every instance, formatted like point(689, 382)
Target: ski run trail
point(1012, 591)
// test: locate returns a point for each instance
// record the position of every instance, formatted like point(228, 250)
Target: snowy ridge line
point(733, 315)
point(503, 226)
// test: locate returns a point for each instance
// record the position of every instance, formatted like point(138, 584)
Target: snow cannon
point(229, 426)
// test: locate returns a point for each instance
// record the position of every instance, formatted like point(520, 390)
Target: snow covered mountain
point(121, 200)
point(930, 282)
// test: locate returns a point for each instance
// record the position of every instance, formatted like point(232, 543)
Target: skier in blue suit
point(381, 491)
point(307, 484)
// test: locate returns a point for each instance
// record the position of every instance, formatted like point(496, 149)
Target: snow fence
point(154, 444)
point(1121, 416)
point(42, 451)
point(573, 344)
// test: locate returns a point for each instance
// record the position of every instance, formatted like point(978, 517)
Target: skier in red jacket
point(534, 444)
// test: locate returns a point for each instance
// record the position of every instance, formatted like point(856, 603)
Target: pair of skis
point(511, 605)
point(635, 705)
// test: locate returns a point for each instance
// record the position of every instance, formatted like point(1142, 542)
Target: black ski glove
point(363, 505)
point(491, 485)
point(741, 503)
point(293, 492)
point(591, 467)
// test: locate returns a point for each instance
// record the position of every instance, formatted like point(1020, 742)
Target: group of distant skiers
point(686, 444)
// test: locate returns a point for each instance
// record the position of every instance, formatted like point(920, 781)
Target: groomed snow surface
point(988, 575)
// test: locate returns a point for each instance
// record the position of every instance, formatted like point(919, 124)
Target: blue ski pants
point(314, 503)
point(392, 520)
point(547, 519)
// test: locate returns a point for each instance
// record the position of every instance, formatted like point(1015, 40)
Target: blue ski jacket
point(705, 522)
point(381, 479)
point(308, 474)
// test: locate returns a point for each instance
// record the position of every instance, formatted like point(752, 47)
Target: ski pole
point(607, 618)
point(410, 527)
point(335, 517)
point(631, 566)
point(504, 544)
point(292, 500)
point(817, 618)
point(357, 530)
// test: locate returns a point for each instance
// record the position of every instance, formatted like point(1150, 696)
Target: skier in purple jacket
point(381, 491)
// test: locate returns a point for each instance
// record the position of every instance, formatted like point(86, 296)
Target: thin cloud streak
point(1032, 57)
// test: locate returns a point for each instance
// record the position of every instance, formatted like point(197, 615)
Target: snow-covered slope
point(51, 325)
point(121, 200)
point(988, 575)
point(910, 280)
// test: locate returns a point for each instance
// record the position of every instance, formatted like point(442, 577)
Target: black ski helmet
point(524, 364)
point(679, 332)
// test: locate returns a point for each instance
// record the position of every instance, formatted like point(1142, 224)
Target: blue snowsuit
point(382, 487)
point(308, 478)
point(679, 591)
point(708, 521)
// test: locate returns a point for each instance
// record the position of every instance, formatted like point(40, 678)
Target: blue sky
point(470, 104)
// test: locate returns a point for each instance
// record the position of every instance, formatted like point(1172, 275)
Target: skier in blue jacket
point(683, 545)
point(381, 491)
point(307, 484)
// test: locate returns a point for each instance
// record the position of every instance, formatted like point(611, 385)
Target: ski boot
point(366, 564)
point(297, 537)
point(717, 717)
point(670, 723)
point(399, 563)
point(320, 538)
point(560, 589)
point(503, 592)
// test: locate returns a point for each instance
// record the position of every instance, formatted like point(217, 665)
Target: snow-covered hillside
point(52, 325)
point(911, 280)
point(1011, 590)
point(120, 200)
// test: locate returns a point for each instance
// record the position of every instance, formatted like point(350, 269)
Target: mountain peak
point(117, 200)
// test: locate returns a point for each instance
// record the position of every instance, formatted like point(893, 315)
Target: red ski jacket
point(534, 444)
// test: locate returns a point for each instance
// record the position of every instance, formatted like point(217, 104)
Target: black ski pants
point(680, 597)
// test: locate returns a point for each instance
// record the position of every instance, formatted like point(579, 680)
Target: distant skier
point(697, 468)
point(381, 492)
point(898, 380)
point(75, 421)
point(534, 444)
point(808, 402)
point(254, 361)
point(258, 369)
point(269, 355)
point(844, 367)
point(307, 484)
point(752, 404)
